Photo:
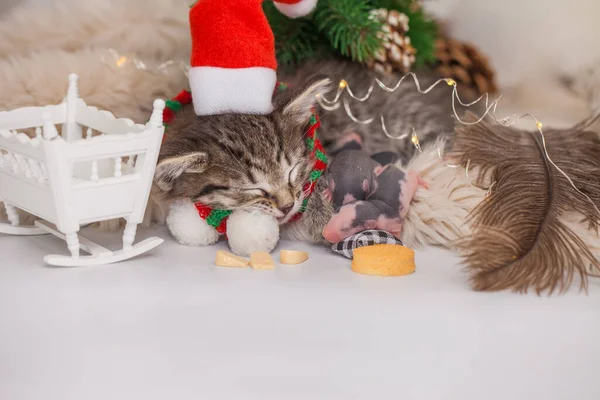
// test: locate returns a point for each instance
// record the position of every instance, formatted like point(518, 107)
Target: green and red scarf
point(218, 218)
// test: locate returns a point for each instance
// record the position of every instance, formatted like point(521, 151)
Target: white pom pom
point(252, 231)
point(187, 227)
point(300, 9)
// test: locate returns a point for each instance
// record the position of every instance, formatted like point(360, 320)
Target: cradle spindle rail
point(72, 164)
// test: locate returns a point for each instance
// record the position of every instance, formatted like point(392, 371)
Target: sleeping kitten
point(237, 161)
point(260, 162)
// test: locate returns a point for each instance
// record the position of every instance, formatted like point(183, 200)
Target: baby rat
point(383, 209)
point(351, 177)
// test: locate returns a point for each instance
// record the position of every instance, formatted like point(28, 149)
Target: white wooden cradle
point(68, 180)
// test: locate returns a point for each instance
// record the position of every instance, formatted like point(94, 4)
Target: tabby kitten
point(239, 161)
point(260, 162)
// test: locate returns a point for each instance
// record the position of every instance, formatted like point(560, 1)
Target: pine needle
point(296, 40)
point(349, 28)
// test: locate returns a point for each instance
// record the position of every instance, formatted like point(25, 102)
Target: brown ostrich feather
point(518, 239)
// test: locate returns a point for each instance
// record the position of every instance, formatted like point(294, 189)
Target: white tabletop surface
point(170, 325)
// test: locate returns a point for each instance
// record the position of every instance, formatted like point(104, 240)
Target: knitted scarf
point(218, 218)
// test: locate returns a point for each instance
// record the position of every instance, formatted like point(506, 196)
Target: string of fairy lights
point(490, 111)
point(120, 61)
point(339, 100)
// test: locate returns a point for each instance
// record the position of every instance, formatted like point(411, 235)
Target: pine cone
point(397, 54)
point(465, 64)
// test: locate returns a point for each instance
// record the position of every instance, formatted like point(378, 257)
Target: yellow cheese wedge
point(384, 260)
point(292, 257)
point(225, 259)
point(261, 260)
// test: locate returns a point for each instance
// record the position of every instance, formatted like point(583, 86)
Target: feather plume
point(519, 237)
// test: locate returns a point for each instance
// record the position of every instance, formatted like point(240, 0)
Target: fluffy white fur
point(187, 227)
point(438, 215)
point(151, 29)
point(248, 232)
point(41, 78)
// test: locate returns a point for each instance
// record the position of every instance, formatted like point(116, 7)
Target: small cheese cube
point(261, 260)
point(225, 259)
point(384, 260)
point(292, 257)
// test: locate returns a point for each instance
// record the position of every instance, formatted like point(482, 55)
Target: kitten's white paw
point(252, 231)
point(187, 227)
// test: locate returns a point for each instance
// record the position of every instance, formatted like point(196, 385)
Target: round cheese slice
point(384, 260)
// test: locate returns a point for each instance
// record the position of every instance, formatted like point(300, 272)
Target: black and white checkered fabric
point(367, 238)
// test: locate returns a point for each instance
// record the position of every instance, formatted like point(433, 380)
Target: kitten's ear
point(300, 101)
point(170, 169)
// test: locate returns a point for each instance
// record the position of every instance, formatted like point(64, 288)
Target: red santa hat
point(233, 65)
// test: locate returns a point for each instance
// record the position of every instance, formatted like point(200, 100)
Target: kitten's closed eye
point(257, 191)
point(209, 189)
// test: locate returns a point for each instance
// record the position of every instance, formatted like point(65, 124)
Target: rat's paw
point(413, 176)
point(421, 181)
point(248, 232)
point(187, 227)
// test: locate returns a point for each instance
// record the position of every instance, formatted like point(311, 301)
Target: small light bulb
point(121, 61)
point(450, 82)
point(318, 96)
point(538, 124)
point(415, 140)
point(343, 84)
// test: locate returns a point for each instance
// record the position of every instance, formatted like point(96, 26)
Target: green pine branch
point(345, 27)
point(296, 40)
point(349, 27)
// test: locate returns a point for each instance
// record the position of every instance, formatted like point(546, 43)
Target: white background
point(526, 37)
point(171, 325)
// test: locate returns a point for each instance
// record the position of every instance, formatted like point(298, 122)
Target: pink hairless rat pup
point(367, 195)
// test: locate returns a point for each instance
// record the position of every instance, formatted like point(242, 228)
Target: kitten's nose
point(286, 209)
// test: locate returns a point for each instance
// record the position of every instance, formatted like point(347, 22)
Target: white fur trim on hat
point(300, 9)
point(232, 90)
